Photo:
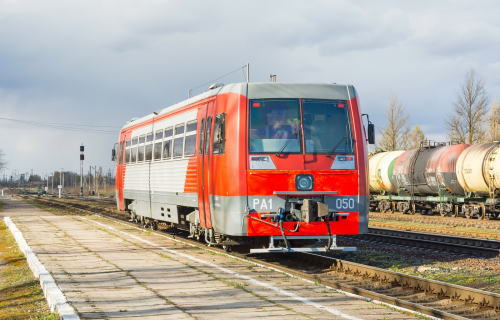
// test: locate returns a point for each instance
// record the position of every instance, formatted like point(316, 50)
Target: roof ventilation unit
point(215, 85)
point(134, 119)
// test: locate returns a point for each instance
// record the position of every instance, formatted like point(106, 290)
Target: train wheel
point(154, 225)
point(494, 215)
point(226, 248)
point(482, 214)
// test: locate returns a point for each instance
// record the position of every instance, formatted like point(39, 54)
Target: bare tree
point(415, 137)
point(3, 163)
point(493, 122)
point(465, 122)
point(394, 136)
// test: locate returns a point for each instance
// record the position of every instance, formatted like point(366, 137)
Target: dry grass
point(21, 296)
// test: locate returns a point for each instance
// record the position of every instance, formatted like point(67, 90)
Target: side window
point(149, 147)
point(167, 143)
point(133, 155)
point(140, 149)
point(127, 156)
point(149, 137)
point(190, 142)
point(140, 153)
point(202, 130)
point(178, 140)
point(149, 152)
point(159, 135)
point(134, 141)
point(157, 150)
point(219, 146)
point(128, 143)
point(158, 145)
point(207, 137)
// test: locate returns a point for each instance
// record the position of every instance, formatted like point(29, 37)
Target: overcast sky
point(104, 62)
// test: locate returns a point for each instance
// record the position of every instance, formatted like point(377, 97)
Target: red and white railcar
point(244, 162)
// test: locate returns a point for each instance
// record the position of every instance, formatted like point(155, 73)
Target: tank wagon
point(450, 179)
point(250, 163)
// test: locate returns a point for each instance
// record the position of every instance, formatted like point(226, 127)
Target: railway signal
point(81, 169)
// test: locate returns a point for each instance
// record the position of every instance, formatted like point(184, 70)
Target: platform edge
point(55, 297)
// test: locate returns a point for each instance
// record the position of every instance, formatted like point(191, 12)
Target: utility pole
point(95, 180)
point(90, 170)
point(248, 72)
point(53, 173)
point(62, 182)
point(81, 170)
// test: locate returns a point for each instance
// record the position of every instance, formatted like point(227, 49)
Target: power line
point(211, 81)
point(68, 127)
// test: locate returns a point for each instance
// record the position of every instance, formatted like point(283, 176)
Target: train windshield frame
point(282, 125)
point(274, 123)
point(327, 127)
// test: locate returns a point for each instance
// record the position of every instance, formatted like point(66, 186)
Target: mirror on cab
point(113, 154)
point(371, 133)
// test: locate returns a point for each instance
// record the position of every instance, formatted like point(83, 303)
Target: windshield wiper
point(286, 143)
point(335, 148)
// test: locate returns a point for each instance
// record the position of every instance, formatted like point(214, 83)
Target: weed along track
point(431, 297)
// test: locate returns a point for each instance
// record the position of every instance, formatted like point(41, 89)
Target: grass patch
point(21, 296)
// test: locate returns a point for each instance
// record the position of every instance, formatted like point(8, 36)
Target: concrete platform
point(111, 270)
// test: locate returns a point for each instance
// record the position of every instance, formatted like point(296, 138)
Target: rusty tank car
point(426, 180)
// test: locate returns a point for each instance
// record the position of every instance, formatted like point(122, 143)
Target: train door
point(204, 165)
point(120, 170)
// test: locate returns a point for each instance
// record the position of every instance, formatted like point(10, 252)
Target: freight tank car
point(426, 180)
point(478, 171)
point(381, 171)
point(250, 162)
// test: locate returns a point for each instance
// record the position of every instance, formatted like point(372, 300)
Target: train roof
point(264, 90)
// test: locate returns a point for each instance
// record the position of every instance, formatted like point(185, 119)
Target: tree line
point(474, 118)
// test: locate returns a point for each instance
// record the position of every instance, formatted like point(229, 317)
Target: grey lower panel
point(142, 208)
point(164, 212)
point(136, 195)
point(163, 205)
point(227, 212)
point(117, 200)
point(178, 198)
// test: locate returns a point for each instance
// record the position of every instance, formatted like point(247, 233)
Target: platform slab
point(112, 270)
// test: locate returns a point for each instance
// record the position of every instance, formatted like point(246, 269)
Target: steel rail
point(454, 244)
point(431, 297)
point(444, 230)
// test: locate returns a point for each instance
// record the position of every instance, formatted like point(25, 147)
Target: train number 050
point(345, 203)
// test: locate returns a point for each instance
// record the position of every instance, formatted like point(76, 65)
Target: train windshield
point(275, 126)
point(327, 127)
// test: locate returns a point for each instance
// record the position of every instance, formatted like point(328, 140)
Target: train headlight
point(304, 182)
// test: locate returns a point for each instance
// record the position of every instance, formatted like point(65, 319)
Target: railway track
point(447, 243)
point(423, 295)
